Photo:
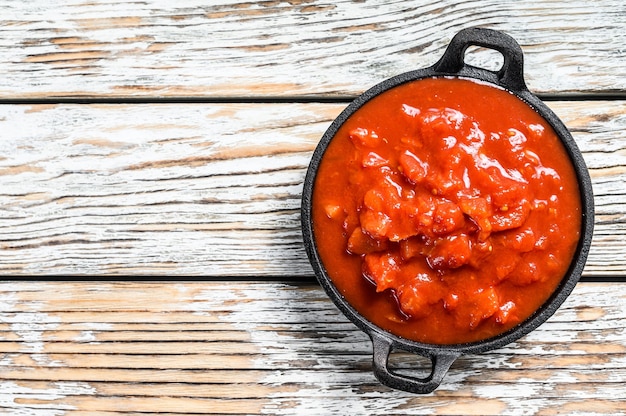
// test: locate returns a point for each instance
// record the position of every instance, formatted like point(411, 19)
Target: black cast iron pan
point(511, 78)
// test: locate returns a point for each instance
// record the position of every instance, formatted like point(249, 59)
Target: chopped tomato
point(446, 210)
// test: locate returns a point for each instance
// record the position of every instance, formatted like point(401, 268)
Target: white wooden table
point(152, 156)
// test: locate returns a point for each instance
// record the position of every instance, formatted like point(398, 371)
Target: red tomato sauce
point(446, 210)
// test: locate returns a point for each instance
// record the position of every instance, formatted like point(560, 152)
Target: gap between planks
point(261, 99)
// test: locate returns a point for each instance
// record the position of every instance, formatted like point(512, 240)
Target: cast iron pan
point(511, 78)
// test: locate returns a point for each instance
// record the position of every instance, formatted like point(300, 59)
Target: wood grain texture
point(284, 48)
point(183, 190)
point(283, 349)
point(208, 189)
point(213, 190)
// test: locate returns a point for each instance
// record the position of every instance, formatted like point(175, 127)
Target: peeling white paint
point(49, 401)
point(277, 348)
point(86, 336)
point(325, 384)
point(31, 333)
point(29, 325)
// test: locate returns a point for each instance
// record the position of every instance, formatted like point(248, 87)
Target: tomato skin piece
point(364, 137)
point(412, 167)
point(334, 211)
point(506, 312)
point(373, 160)
point(510, 217)
point(361, 243)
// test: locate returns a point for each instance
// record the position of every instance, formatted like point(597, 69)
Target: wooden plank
point(281, 349)
point(229, 178)
point(275, 48)
point(208, 189)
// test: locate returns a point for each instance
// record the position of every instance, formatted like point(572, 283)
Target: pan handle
point(510, 76)
point(441, 362)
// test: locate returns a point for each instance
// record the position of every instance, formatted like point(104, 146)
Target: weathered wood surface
point(213, 190)
point(208, 189)
point(240, 48)
point(282, 349)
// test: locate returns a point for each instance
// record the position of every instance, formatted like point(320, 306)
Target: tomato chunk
point(412, 167)
point(450, 253)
